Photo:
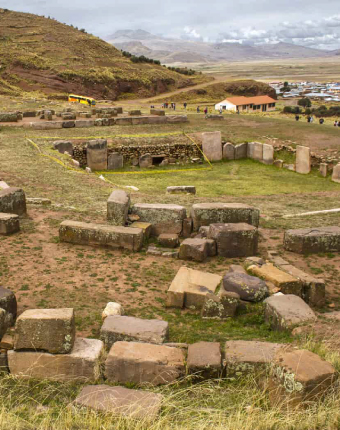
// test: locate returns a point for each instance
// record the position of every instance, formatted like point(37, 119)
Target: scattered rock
point(249, 288)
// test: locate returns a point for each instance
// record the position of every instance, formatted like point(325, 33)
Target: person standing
point(297, 117)
point(185, 105)
point(221, 110)
point(206, 110)
point(198, 109)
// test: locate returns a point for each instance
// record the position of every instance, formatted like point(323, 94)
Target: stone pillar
point(212, 145)
point(268, 154)
point(255, 151)
point(336, 173)
point(115, 161)
point(97, 154)
point(228, 151)
point(323, 169)
point(302, 161)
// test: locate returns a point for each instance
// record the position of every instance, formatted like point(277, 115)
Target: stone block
point(182, 189)
point(249, 288)
point(50, 330)
point(145, 226)
point(145, 161)
point(9, 223)
point(241, 151)
point(97, 154)
point(187, 227)
point(121, 401)
point(302, 160)
point(46, 125)
point(158, 112)
point(173, 119)
point(244, 356)
point(8, 117)
point(189, 288)
point(81, 364)
point(63, 146)
point(3, 362)
point(204, 214)
point(68, 115)
point(162, 252)
point(117, 207)
point(336, 173)
point(8, 302)
point(142, 363)
point(7, 342)
point(112, 309)
point(299, 376)
point(101, 235)
point(228, 151)
point(84, 123)
point(115, 161)
point(68, 124)
point(255, 151)
point(211, 247)
point(285, 282)
point(222, 306)
point(123, 121)
point(123, 328)
point(268, 154)
point(212, 145)
point(234, 240)
point(323, 169)
point(135, 112)
point(284, 312)
point(165, 218)
point(205, 359)
point(168, 240)
point(312, 240)
point(278, 163)
point(193, 249)
point(13, 201)
point(38, 201)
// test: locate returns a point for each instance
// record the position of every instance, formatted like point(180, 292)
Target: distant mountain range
point(140, 42)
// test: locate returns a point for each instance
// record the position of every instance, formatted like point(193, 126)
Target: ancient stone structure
point(249, 288)
point(115, 161)
point(193, 249)
point(241, 151)
point(268, 154)
point(63, 146)
point(181, 189)
point(205, 359)
point(117, 207)
point(212, 145)
point(336, 173)
point(13, 201)
point(303, 160)
point(234, 239)
point(313, 240)
point(101, 235)
point(97, 154)
point(228, 151)
point(221, 306)
point(9, 223)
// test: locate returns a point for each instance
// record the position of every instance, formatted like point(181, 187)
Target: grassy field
point(45, 273)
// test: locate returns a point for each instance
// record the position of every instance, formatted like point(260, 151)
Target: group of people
point(310, 119)
point(336, 123)
point(167, 105)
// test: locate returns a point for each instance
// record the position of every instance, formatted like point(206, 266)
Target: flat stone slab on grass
point(193, 249)
point(118, 207)
point(162, 252)
point(249, 288)
point(165, 218)
point(205, 359)
point(190, 287)
point(299, 376)
point(140, 363)
point(242, 356)
point(313, 240)
point(13, 201)
point(234, 239)
point(204, 214)
point(81, 364)
point(135, 404)
point(121, 328)
point(182, 189)
point(286, 283)
point(101, 235)
point(9, 223)
point(284, 312)
point(51, 330)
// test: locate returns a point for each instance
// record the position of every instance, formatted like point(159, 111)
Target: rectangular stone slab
point(212, 145)
point(82, 364)
point(204, 214)
point(302, 160)
point(205, 359)
point(9, 223)
point(101, 235)
point(165, 218)
point(313, 240)
point(284, 312)
point(190, 287)
point(140, 363)
point(118, 207)
point(118, 328)
point(287, 283)
point(13, 201)
point(51, 330)
point(135, 404)
point(234, 239)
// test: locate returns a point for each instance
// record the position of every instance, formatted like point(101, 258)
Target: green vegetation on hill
point(218, 91)
point(42, 54)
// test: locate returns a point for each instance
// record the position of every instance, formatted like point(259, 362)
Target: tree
point(305, 102)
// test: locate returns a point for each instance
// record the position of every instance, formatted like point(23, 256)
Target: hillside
point(41, 54)
point(213, 93)
point(185, 51)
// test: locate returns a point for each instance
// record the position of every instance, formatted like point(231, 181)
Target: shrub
point(305, 102)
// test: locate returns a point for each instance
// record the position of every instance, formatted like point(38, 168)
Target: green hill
point(42, 54)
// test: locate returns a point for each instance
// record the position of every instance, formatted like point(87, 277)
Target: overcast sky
point(311, 23)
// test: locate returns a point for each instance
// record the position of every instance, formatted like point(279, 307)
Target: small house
point(247, 104)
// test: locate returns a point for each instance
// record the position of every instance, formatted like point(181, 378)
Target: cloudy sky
point(312, 23)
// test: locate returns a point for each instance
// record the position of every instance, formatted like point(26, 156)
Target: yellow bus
point(81, 99)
